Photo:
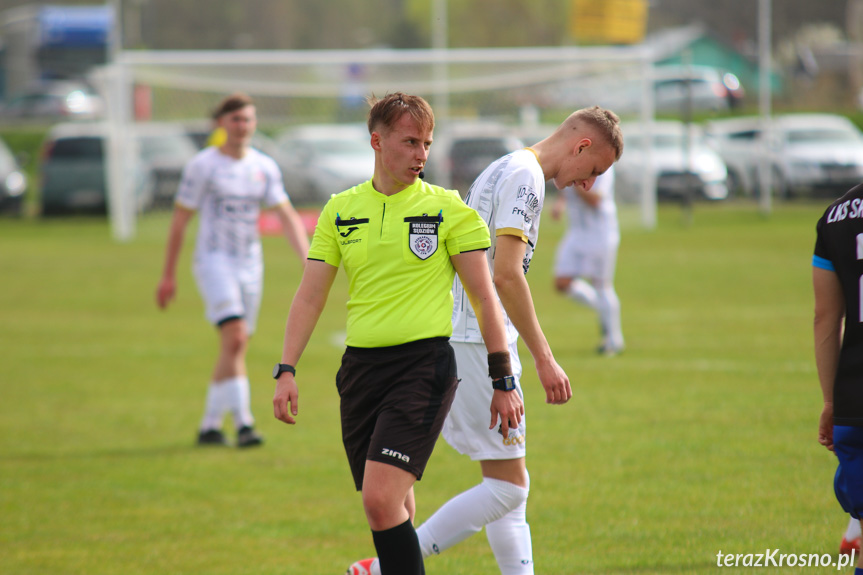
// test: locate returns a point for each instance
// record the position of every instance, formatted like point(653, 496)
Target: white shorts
point(466, 426)
point(573, 262)
point(229, 291)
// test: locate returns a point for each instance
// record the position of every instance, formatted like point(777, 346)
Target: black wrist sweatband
point(499, 365)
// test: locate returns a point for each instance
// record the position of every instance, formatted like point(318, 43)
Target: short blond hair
point(386, 111)
point(604, 122)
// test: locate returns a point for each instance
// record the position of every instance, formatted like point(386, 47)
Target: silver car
point(164, 149)
point(682, 161)
point(675, 89)
point(808, 154)
point(318, 160)
point(52, 101)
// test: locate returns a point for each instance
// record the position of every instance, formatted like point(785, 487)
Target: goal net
point(528, 91)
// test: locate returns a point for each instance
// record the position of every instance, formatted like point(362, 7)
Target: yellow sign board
point(608, 21)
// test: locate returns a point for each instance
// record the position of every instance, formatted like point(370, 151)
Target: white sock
point(214, 407)
point(582, 292)
point(509, 538)
point(467, 513)
point(853, 531)
point(608, 307)
point(239, 401)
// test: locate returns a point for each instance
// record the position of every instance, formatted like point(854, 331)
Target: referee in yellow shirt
point(401, 242)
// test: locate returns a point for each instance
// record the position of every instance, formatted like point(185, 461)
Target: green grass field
point(700, 438)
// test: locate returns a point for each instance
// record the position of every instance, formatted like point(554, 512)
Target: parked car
point(13, 182)
point(72, 171)
point(56, 100)
point(164, 149)
point(72, 178)
point(318, 160)
point(706, 87)
point(738, 142)
point(462, 150)
point(808, 154)
point(682, 161)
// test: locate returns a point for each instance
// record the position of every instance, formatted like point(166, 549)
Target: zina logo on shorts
point(396, 454)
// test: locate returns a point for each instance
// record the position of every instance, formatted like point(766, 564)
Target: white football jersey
point(229, 193)
point(508, 195)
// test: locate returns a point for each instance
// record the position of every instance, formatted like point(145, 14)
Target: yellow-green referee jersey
point(396, 252)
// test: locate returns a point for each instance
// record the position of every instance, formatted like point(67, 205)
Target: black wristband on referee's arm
point(498, 365)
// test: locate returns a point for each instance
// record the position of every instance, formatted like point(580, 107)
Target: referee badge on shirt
point(422, 235)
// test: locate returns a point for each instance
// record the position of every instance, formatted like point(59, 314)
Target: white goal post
point(512, 85)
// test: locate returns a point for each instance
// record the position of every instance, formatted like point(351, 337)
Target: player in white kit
point(509, 195)
point(229, 185)
point(587, 255)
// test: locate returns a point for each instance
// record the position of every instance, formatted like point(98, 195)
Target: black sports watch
point(505, 383)
point(281, 368)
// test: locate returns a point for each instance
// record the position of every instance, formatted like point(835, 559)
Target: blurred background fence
point(522, 92)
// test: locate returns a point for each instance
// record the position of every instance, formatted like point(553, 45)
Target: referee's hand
point(509, 407)
point(286, 394)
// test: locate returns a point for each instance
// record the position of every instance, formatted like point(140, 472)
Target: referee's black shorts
point(394, 401)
